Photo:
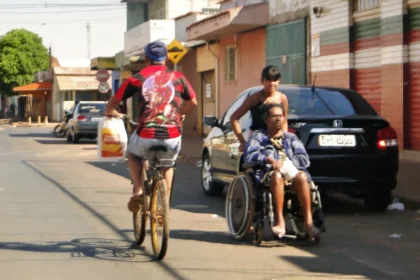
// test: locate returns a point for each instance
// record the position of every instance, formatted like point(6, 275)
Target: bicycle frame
point(156, 173)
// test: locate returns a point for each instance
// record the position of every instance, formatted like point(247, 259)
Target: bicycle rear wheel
point(159, 219)
point(140, 217)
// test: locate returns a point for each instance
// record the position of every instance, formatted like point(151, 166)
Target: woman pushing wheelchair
point(282, 156)
point(277, 151)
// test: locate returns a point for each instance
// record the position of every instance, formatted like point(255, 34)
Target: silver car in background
point(84, 120)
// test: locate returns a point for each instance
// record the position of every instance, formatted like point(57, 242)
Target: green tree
point(22, 54)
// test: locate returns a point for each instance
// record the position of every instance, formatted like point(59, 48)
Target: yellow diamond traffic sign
point(176, 51)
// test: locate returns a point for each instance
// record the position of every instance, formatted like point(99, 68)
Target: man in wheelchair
point(281, 157)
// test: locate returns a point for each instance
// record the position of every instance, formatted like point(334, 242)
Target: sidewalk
point(26, 124)
point(408, 188)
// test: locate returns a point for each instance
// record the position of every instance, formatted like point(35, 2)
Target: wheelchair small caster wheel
point(259, 232)
point(316, 239)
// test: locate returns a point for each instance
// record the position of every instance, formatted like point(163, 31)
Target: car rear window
point(326, 102)
point(92, 108)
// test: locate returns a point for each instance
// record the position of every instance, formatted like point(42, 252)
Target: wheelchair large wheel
point(240, 206)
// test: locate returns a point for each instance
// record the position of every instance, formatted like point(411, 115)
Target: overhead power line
point(61, 12)
point(56, 6)
point(51, 5)
point(63, 21)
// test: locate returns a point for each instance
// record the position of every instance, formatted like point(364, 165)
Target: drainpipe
point(216, 80)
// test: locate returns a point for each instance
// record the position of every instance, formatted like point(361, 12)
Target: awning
point(41, 86)
point(82, 83)
point(230, 22)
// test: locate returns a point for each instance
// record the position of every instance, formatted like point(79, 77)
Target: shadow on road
point(204, 236)
point(63, 141)
point(105, 249)
point(118, 168)
point(33, 135)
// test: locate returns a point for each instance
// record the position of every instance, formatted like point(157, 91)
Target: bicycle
point(60, 130)
point(154, 185)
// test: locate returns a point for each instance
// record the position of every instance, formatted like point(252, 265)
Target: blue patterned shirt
point(259, 147)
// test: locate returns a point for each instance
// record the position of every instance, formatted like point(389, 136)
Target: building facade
point(240, 41)
point(372, 46)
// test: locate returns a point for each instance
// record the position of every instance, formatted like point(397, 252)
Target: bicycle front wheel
point(159, 219)
point(59, 131)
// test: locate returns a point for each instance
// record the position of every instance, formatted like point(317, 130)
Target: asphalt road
point(63, 215)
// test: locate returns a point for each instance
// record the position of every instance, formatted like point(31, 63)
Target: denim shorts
point(140, 146)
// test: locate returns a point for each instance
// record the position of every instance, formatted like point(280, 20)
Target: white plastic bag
point(112, 139)
point(288, 170)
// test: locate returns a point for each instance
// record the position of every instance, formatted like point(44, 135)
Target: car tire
point(210, 187)
point(378, 200)
point(68, 134)
point(75, 137)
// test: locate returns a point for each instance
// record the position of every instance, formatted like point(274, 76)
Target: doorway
point(208, 99)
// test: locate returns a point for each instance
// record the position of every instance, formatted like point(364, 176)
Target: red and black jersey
point(159, 94)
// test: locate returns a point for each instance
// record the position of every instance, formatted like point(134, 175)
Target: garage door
point(367, 45)
point(285, 48)
point(413, 98)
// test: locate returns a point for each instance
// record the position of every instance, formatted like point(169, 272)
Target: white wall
point(181, 7)
point(182, 23)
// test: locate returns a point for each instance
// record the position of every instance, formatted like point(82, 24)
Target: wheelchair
point(249, 204)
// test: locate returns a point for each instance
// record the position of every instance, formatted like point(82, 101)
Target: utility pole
point(88, 39)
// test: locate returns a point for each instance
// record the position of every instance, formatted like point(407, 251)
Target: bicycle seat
point(158, 148)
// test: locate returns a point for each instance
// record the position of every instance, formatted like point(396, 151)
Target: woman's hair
point(268, 107)
point(270, 73)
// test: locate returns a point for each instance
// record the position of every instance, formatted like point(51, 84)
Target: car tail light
point(291, 130)
point(82, 118)
point(387, 137)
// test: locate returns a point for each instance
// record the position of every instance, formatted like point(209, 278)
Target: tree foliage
point(22, 54)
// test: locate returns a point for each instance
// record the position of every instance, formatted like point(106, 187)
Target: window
point(91, 108)
point(210, 11)
point(68, 96)
point(325, 102)
point(245, 121)
point(362, 5)
point(230, 64)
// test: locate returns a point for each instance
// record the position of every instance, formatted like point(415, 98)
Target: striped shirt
point(259, 147)
point(159, 93)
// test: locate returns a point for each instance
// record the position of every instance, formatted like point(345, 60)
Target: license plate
point(337, 140)
point(96, 119)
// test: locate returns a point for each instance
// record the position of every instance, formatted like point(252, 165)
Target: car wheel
point(210, 187)
point(75, 137)
point(378, 200)
point(69, 139)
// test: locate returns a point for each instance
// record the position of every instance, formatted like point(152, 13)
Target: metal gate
point(367, 43)
point(286, 49)
point(412, 106)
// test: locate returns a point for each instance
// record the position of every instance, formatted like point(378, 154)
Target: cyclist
point(159, 92)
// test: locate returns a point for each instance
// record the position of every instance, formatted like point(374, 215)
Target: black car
point(352, 149)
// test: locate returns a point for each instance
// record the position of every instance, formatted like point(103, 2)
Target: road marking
point(377, 267)
point(12, 152)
